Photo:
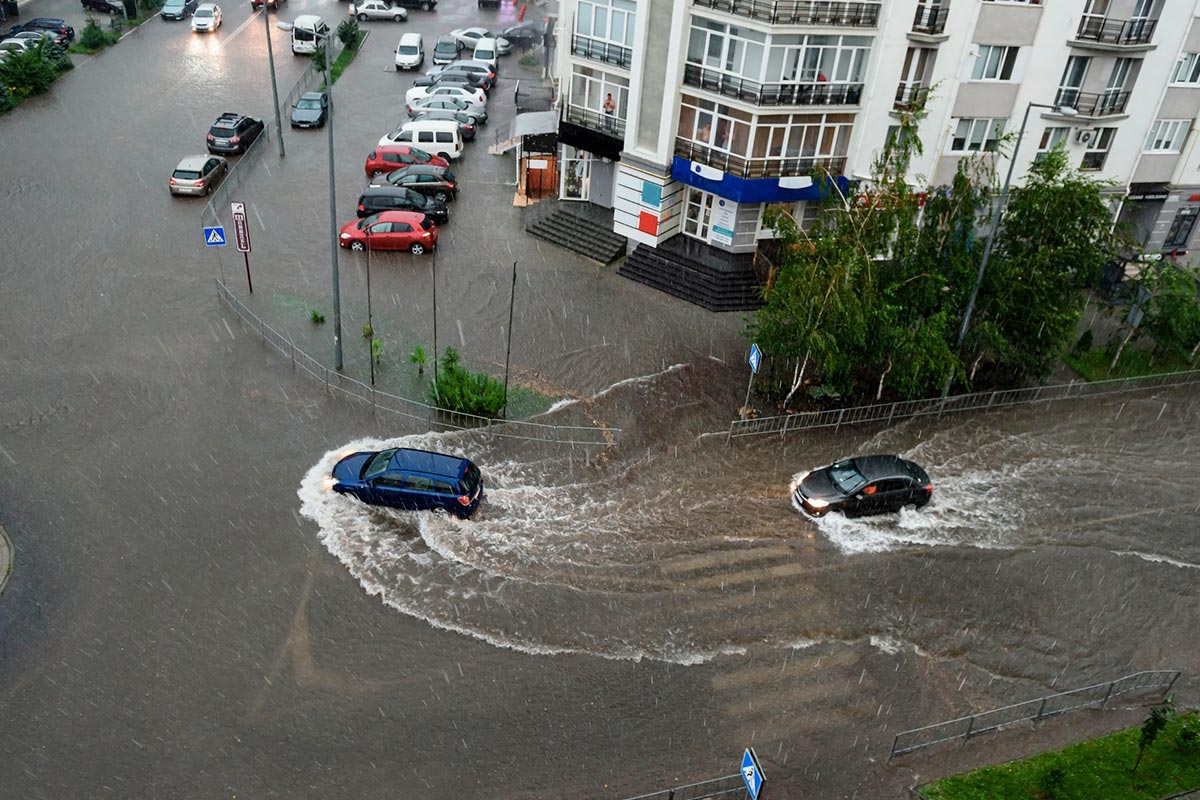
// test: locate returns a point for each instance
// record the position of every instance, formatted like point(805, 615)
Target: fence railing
point(1092, 104)
point(601, 50)
point(1157, 682)
point(801, 12)
point(930, 19)
point(757, 167)
point(815, 92)
point(436, 418)
point(979, 401)
point(1116, 31)
point(729, 786)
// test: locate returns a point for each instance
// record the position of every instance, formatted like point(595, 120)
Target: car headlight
point(345, 236)
point(330, 483)
point(816, 502)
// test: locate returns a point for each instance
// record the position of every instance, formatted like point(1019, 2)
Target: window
point(765, 138)
point(994, 63)
point(1187, 69)
point(1167, 135)
point(1017, 2)
point(780, 58)
point(606, 20)
point(1097, 151)
point(805, 213)
point(1051, 138)
point(1181, 227)
point(974, 135)
point(590, 86)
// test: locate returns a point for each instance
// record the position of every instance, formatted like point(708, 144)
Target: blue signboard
point(214, 237)
point(751, 190)
point(752, 773)
point(755, 358)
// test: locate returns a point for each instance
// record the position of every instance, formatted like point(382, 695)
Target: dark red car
point(391, 230)
point(389, 157)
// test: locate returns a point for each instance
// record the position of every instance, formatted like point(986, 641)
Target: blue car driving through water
point(416, 480)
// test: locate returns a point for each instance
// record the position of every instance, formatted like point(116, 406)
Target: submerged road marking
point(239, 29)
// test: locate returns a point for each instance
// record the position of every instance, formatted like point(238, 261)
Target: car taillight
point(197, 183)
point(929, 488)
point(209, 137)
point(464, 500)
point(426, 235)
point(235, 139)
point(361, 207)
point(172, 181)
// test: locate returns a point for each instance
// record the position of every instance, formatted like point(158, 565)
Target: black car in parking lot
point(107, 6)
point(466, 123)
point(471, 80)
point(398, 198)
point(233, 133)
point(436, 182)
point(52, 24)
point(862, 485)
point(524, 35)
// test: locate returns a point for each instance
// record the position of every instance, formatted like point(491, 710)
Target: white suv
point(207, 17)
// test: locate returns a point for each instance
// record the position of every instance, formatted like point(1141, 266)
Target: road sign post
point(752, 773)
point(755, 361)
point(242, 236)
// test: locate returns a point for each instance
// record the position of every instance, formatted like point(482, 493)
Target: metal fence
point(435, 418)
point(1098, 696)
point(979, 401)
point(730, 786)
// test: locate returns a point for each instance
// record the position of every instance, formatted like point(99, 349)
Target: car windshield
point(447, 176)
point(377, 463)
point(845, 476)
point(219, 132)
point(186, 174)
point(173, 4)
point(470, 481)
point(407, 50)
point(309, 103)
point(426, 224)
point(419, 155)
point(204, 12)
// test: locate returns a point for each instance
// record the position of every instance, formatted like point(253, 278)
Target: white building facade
point(689, 117)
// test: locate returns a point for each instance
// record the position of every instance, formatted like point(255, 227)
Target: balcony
point(815, 93)
point(609, 124)
point(1115, 33)
point(599, 50)
point(754, 168)
point(910, 96)
point(930, 20)
point(1093, 104)
point(801, 12)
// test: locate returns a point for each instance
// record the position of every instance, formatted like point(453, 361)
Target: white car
point(467, 37)
point(475, 97)
point(207, 17)
point(14, 45)
point(377, 9)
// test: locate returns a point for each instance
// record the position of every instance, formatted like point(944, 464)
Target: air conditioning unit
point(1085, 136)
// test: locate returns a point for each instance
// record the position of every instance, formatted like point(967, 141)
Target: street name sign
point(241, 230)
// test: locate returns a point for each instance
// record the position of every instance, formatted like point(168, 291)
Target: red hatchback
point(388, 157)
point(391, 230)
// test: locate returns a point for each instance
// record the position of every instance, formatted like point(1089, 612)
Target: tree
point(347, 33)
point(1173, 314)
point(1151, 728)
point(30, 72)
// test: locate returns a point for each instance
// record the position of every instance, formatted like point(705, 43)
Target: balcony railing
point(930, 19)
point(1092, 104)
point(756, 167)
point(1116, 31)
point(801, 12)
point(609, 124)
point(909, 95)
point(815, 93)
point(600, 50)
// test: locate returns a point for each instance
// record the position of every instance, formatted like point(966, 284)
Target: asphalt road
point(174, 627)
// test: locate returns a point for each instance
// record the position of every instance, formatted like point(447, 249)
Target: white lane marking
point(240, 28)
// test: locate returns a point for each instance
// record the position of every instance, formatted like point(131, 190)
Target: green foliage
point(6, 100)
point(347, 33)
point(418, 357)
point(93, 37)
point(316, 316)
point(1092, 770)
point(318, 58)
point(1151, 728)
point(368, 332)
point(30, 72)
point(377, 351)
point(458, 389)
point(1052, 782)
point(1173, 314)
point(1084, 343)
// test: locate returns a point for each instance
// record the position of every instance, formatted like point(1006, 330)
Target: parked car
point(377, 9)
point(233, 133)
point(410, 52)
point(458, 77)
point(436, 182)
point(387, 157)
point(52, 24)
point(391, 230)
point(489, 3)
point(107, 6)
point(524, 35)
point(862, 485)
point(466, 123)
point(475, 97)
point(270, 4)
point(446, 50)
point(477, 112)
point(36, 36)
point(424, 5)
point(178, 9)
point(419, 480)
point(463, 65)
point(488, 51)
point(398, 198)
point(206, 17)
point(467, 37)
point(15, 46)
point(196, 175)
point(311, 110)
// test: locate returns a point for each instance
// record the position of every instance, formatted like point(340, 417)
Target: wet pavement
point(191, 616)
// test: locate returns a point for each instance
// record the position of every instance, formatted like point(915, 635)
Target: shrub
point(316, 316)
point(459, 389)
point(94, 37)
point(1051, 783)
point(347, 33)
point(1084, 344)
point(28, 73)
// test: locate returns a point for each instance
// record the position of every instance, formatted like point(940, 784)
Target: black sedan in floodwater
point(862, 485)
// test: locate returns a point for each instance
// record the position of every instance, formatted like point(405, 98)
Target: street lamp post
point(370, 320)
point(995, 226)
point(333, 230)
point(274, 87)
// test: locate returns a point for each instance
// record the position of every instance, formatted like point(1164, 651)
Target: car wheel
point(442, 196)
point(362, 17)
point(446, 156)
point(397, 18)
point(357, 247)
point(425, 6)
point(417, 248)
point(376, 173)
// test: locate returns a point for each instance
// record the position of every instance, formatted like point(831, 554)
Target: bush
point(347, 33)
point(28, 73)
point(94, 37)
point(459, 389)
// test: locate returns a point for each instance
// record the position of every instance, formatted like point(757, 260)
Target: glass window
point(1167, 135)
point(972, 135)
point(994, 63)
point(377, 463)
point(1187, 69)
point(1181, 227)
point(1097, 152)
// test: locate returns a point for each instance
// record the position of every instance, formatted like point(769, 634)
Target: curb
point(6, 558)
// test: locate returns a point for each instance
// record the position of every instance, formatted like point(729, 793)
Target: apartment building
point(688, 118)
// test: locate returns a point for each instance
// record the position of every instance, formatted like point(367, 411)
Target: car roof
point(410, 37)
point(388, 190)
point(206, 5)
point(446, 38)
point(425, 460)
point(877, 467)
point(193, 162)
point(395, 148)
point(312, 95)
point(419, 169)
point(402, 216)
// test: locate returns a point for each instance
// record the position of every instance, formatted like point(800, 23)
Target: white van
point(306, 31)
point(410, 53)
point(486, 50)
point(438, 136)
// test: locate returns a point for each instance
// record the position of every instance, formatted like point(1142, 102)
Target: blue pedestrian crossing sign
point(752, 773)
point(214, 237)
point(755, 358)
